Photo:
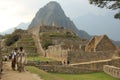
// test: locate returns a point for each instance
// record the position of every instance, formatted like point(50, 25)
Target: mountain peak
point(53, 3)
point(53, 12)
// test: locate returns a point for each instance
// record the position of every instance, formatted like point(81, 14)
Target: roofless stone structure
point(100, 43)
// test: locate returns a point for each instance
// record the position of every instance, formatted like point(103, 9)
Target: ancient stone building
point(57, 52)
point(100, 43)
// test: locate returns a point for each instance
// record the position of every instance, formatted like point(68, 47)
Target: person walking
point(14, 54)
point(21, 59)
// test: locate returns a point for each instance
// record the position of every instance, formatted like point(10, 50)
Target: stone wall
point(98, 65)
point(105, 45)
point(64, 69)
point(112, 70)
point(81, 56)
point(78, 68)
point(57, 52)
point(35, 63)
point(100, 43)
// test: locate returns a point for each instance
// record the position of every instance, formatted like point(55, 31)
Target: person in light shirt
point(14, 54)
point(21, 59)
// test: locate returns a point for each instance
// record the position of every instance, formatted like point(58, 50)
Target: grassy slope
point(92, 76)
point(44, 75)
point(37, 58)
point(54, 76)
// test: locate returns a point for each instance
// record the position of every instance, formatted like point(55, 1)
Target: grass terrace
point(55, 76)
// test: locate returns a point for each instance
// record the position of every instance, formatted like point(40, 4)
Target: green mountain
point(53, 13)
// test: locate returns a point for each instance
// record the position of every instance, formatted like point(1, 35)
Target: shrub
point(11, 39)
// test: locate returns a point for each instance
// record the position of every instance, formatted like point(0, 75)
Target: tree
point(109, 4)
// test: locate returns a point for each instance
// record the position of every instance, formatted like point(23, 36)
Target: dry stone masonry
point(112, 70)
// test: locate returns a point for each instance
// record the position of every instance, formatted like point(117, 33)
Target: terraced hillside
point(51, 35)
point(25, 41)
point(58, 41)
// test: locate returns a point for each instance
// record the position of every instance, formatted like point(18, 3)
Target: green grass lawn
point(55, 76)
point(90, 76)
point(44, 75)
point(37, 58)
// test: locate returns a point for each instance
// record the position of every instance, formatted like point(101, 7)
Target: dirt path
point(9, 74)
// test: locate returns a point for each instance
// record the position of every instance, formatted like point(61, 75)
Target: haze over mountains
point(99, 24)
point(20, 26)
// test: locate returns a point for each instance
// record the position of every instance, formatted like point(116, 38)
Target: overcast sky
point(13, 12)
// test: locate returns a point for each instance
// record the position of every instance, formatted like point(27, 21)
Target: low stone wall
point(81, 56)
point(98, 65)
point(64, 69)
point(112, 70)
point(25, 43)
point(80, 67)
point(38, 63)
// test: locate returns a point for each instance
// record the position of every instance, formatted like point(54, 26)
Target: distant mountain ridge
point(99, 24)
point(53, 13)
point(117, 43)
point(20, 26)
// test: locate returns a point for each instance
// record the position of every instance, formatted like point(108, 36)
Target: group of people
point(18, 57)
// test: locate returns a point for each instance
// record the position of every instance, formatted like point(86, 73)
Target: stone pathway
point(9, 74)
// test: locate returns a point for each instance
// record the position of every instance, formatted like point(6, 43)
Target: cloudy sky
point(13, 12)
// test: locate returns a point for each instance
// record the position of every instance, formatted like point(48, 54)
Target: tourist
point(14, 53)
point(5, 58)
point(21, 59)
point(10, 56)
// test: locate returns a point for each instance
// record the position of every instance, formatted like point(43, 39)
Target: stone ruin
point(112, 70)
point(100, 43)
point(57, 52)
point(97, 49)
point(90, 56)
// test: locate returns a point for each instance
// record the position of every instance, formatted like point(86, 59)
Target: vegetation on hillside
point(38, 58)
point(12, 38)
point(55, 37)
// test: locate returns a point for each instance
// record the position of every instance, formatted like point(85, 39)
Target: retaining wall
point(112, 70)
